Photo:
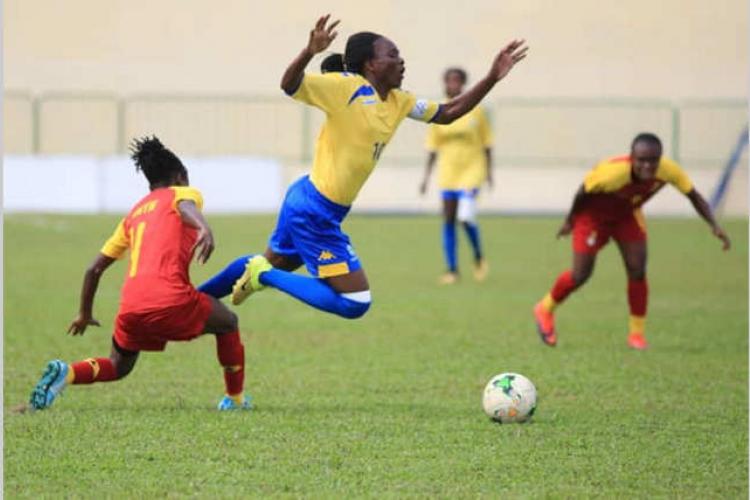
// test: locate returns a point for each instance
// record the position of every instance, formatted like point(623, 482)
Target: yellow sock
point(637, 324)
point(70, 376)
point(237, 398)
point(548, 303)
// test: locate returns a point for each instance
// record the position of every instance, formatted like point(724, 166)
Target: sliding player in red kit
point(608, 205)
point(158, 302)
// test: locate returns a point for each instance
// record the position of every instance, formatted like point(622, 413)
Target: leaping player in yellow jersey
point(608, 205)
point(463, 151)
point(364, 106)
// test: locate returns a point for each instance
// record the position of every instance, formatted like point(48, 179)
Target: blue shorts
point(309, 229)
point(457, 194)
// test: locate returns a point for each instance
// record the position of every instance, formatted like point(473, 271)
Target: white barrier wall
point(87, 184)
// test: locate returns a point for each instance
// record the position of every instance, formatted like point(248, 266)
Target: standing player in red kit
point(158, 303)
point(608, 205)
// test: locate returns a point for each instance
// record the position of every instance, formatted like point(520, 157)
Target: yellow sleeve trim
point(117, 244)
point(331, 270)
point(186, 193)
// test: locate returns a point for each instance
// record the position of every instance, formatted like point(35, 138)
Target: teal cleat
point(228, 404)
point(50, 385)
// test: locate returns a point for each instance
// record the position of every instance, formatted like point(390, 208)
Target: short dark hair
point(647, 137)
point(332, 64)
point(157, 163)
point(459, 71)
point(360, 48)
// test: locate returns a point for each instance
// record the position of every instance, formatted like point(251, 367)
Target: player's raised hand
point(565, 229)
point(204, 244)
point(322, 35)
point(79, 325)
point(514, 52)
point(719, 233)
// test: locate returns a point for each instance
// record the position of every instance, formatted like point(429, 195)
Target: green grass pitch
point(389, 405)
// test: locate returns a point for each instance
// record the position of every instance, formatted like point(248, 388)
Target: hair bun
point(334, 63)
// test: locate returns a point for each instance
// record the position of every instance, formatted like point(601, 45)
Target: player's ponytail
point(332, 64)
point(158, 164)
point(359, 49)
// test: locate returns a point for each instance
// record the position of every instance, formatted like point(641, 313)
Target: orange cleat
point(545, 325)
point(637, 341)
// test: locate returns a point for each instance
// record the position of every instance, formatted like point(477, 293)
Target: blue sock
point(221, 285)
point(314, 292)
point(472, 231)
point(449, 245)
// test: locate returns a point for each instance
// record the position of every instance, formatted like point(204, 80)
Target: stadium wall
point(584, 48)
point(91, 184)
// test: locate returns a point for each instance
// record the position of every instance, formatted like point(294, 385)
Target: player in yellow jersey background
point(463, 151)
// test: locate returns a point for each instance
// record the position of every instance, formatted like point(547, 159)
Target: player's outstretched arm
point(88, 291)
point(567, 225)
point(704, 210)
point(513, 53)
point(193, 217)
point(321, 36)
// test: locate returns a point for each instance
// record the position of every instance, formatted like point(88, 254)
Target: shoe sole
point(40, 393)
point(240, 293)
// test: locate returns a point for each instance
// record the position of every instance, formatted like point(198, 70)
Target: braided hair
point(158, 164)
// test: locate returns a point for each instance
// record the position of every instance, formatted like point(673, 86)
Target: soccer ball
point(509, 397)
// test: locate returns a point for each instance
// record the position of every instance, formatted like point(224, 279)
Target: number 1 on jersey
point(135, 249)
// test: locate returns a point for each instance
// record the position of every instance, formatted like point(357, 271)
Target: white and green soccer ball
point(509, 397)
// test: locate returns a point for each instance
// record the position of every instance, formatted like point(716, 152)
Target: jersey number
point(135, 251)
point(377, 150)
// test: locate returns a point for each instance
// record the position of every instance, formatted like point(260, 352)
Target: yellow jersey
point(460, 148)
point(614, 193)
point(358, 126)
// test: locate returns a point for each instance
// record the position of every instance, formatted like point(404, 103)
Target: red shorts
point(591, 233)
point(150, 331)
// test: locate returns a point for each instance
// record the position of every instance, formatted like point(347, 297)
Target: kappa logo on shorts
point(591, 240)
point(325, 255)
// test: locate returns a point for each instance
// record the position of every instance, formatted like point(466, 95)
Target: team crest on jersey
point(363, 91)
point(325, 255)
point(591, 240)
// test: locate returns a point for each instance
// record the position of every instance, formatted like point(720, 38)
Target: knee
point(356, 304)
point(637, 273)
point(123, 367)
point(231, 323)
point(581, 276)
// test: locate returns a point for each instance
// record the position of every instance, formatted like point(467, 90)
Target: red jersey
point(613, 193)
point(160, 251)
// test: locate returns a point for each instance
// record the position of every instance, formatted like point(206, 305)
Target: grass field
point(389, 405)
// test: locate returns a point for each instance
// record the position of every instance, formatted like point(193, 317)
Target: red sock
point(638, 296)
point(563, 286)
point(231, 355)
point(93, 370)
